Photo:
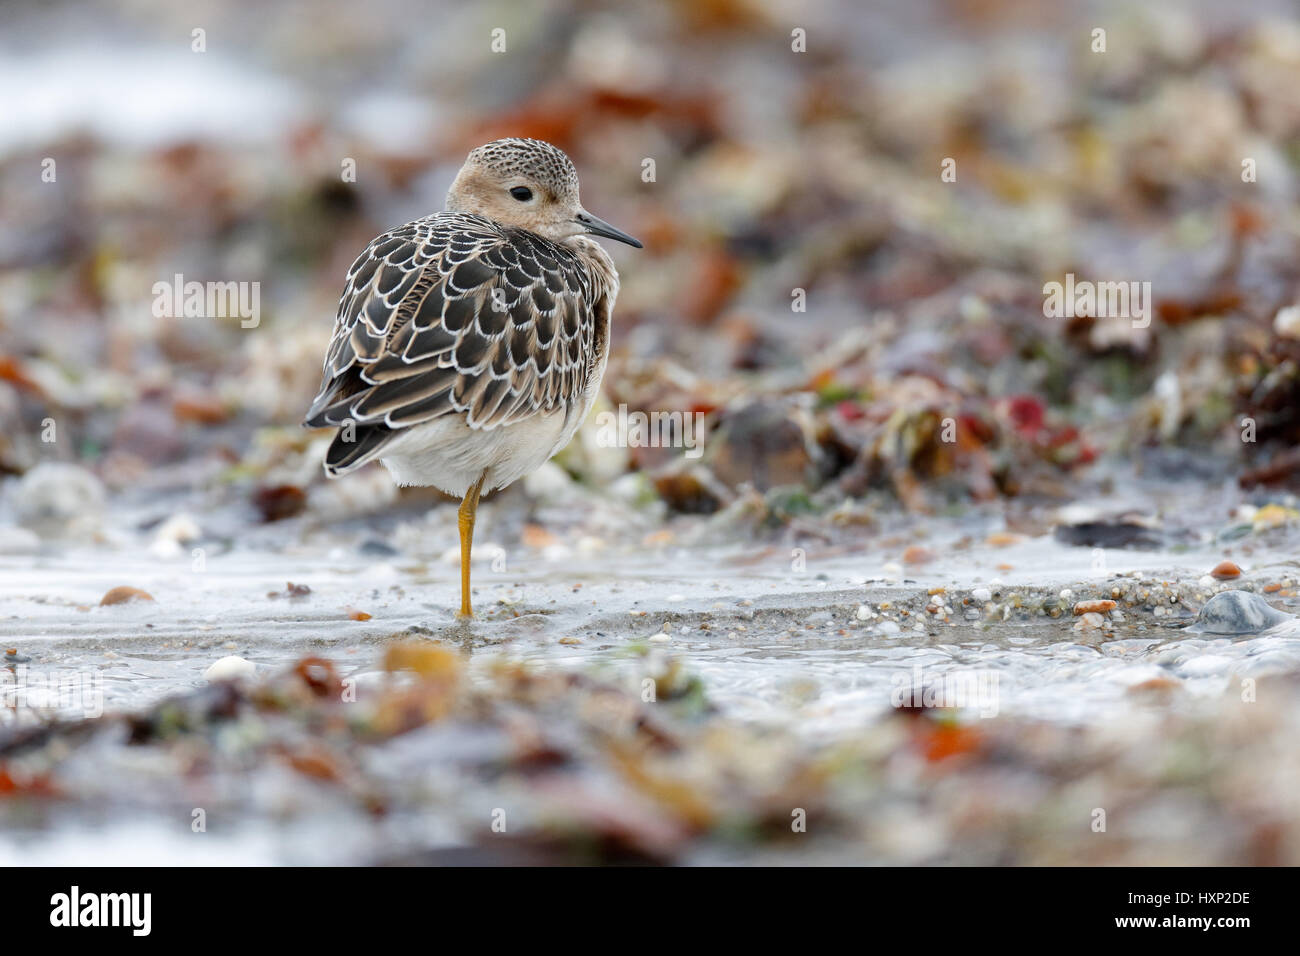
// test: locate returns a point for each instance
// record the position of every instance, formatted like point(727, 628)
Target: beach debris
point(296, 592)
point(421, 742)
point(123, 594)
point(277, 502)
point(1287, 322)
point(1107, 534)
point(918, 554)
point(764, 444)
point(1094, 607)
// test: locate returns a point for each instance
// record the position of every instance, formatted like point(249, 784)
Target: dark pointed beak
point(599, 227)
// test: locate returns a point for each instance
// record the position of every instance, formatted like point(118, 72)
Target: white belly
point(449, 455)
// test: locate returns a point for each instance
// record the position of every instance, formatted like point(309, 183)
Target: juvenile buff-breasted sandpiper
point(470, 344)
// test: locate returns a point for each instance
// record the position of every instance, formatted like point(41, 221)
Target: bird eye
point(522, 193)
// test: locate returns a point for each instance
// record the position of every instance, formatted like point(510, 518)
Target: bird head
point(528, 184)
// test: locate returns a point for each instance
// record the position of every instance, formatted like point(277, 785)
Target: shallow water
point(771, 646)
point(771, 643)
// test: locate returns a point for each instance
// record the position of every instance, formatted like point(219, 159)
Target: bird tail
point(366, 442)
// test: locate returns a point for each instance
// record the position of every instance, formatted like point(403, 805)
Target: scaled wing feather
point(456, 314)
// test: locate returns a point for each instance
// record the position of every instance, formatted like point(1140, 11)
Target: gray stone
point(1236, 612)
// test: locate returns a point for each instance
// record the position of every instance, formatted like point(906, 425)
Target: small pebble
point(918, 555)
point(1225, 570)
point(1236, 612)
point(229, 668)
point(1094, 607)
point(1156, 685)
point(124, 595)
point(1287, 322)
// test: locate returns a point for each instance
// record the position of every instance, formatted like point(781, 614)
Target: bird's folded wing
point(457, 314)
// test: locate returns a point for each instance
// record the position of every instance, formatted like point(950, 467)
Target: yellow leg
point(465, 519)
